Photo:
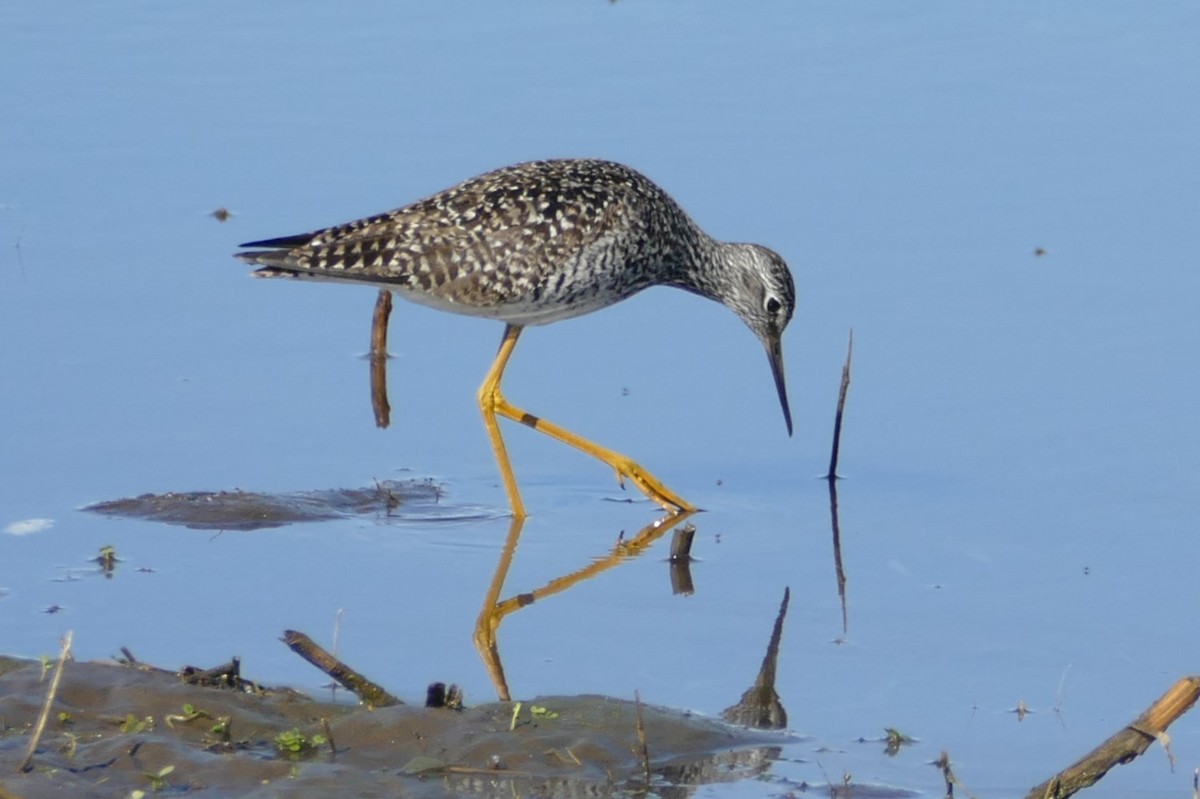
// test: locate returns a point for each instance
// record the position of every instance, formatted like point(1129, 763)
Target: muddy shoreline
point(115, 729)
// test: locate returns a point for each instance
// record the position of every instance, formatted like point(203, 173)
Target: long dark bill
point(775, 356)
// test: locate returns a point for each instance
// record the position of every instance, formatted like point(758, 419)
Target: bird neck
point(706, 268)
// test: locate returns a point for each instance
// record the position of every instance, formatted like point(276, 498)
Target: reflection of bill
point(760, 706)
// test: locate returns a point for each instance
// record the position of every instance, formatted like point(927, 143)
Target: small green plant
point(158, 779)
point(132, 724)
point(222, 728)
point(895, 739)
point(539, 712)
point(294, 743)
point(65, 718)
point(190, 713)
point(516, 713)
point(70, 745)
point(107, 558)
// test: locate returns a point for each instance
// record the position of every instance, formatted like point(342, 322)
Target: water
point(1019, 511)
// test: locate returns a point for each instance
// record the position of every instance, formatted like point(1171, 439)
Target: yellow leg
point(489, 393)
point(492, 402)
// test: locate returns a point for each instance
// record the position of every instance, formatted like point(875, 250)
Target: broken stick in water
point(378, 358)
point(1134, 739)
point(368, 692)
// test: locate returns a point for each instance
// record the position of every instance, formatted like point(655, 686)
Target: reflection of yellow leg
point(495, 610)
point(492, 402)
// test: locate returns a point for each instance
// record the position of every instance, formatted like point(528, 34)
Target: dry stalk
point(40, 727)
point(841, 407)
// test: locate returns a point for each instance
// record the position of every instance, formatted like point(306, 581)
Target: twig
point(40, 727)
point(329, 737)
point(337, 629)
point(379, 324)
point(1125, 745)
point(227, 675)
point(370, 693)
point(378, 358)
point(841, 406)
point(643, 751)
point(681, 543)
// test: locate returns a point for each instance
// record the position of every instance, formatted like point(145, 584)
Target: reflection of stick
point(837, 420)
point(370, 693)
point(1125, 745)
point(41, 722)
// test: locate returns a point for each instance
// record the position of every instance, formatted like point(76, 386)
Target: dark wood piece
point(368, 692)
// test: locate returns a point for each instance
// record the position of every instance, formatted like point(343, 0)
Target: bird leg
point(489, 399)
point(492, 402)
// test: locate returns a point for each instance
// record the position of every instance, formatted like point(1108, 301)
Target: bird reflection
point(495, 609)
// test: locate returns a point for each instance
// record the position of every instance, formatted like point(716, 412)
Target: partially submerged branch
point(368, 692)
point(1131, 741)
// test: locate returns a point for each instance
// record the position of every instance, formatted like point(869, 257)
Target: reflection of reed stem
point(837, 419)
point(839, 569)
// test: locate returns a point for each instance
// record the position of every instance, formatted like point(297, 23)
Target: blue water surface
point(998, 198)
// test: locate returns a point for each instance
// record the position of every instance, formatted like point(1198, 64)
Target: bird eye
point(773, 305)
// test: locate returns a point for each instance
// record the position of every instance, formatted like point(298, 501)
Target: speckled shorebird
point(534, 243)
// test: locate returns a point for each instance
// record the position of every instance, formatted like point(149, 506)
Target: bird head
point(762, 294)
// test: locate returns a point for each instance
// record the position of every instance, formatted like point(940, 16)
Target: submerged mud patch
point(401, 500)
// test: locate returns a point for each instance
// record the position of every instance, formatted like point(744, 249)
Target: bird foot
point(650, 485)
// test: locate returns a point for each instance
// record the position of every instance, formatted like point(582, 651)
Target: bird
point(535, 243)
